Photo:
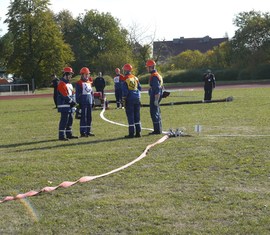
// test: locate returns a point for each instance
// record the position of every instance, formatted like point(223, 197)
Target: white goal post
point(13, 89)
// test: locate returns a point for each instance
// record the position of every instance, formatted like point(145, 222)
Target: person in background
point(155, 94)
point(84, 96)
point(131, 101)
point(99, 83)
point(66, 105)
point(118, 82)
point(54, 84)
point(209, 84)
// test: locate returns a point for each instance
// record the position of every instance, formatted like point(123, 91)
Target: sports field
point(216, 181)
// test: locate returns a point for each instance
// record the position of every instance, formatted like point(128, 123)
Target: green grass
point(214, 182)
point(110, 87)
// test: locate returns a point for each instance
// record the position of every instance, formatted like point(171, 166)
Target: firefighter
point(209, 84)
point(84, 96)
point(100, 83)
point(131, 100)
point(118, 82)
point(155, 93)
point(66, 105)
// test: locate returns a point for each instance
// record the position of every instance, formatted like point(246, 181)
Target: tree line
point(245, 56)
point(40, 43)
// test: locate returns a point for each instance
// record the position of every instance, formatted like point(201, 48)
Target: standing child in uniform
point(155, 94)
point(66, 105)
point(118, 82)
point(131, 101)
point(84, 96)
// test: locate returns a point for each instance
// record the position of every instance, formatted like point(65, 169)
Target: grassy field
point(214, 182)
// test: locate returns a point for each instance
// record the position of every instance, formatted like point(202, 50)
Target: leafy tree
point(187, 60)
point(38, 46)
point(66, 24)
point(144, 54)
point(141, 43)
point(6, 48)
point(251, 40)
point(99, 42)
point(219, 57)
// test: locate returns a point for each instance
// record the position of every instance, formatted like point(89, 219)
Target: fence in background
point(13, 89)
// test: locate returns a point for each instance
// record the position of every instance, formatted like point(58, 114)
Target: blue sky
point(167, 20)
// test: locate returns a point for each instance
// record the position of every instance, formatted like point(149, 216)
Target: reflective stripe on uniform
point(63, 106)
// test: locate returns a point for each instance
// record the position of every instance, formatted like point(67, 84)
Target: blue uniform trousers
point(65, 125)
point(133, 116)
point(118, 97)
point(86, 119)
point(156, 117)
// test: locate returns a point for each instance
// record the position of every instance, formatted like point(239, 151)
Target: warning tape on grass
point(84, 179)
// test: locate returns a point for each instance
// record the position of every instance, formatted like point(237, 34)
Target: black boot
point(72, 137)
point(154, 133)
point(138, 135)
point(129, 136)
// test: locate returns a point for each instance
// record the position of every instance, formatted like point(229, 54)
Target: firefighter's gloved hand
point(156, 102)
point(73, 109)
point(73, 104)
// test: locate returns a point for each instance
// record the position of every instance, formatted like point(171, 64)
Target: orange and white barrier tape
point(83, 179)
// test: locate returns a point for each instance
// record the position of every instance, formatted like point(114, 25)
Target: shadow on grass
point(14, 145)
point(69, 143)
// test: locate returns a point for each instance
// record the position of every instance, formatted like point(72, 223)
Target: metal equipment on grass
point(99, 100)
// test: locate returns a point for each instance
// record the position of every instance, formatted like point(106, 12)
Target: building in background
point(166, 49)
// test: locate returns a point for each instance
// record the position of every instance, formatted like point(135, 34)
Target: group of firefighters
point(127, 94)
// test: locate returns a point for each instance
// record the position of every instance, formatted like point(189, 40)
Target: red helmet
point(150, 63)
point(84, 70)
point(68, 70)
point(117, 70)
point(127, 67)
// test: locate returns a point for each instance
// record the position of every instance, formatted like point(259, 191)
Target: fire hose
point(67, 184)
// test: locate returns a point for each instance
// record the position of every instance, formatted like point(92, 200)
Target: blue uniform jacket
point(84, 92)
point(65, 98)
point(156, 84)
point(131, 88)
point(118, 82)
